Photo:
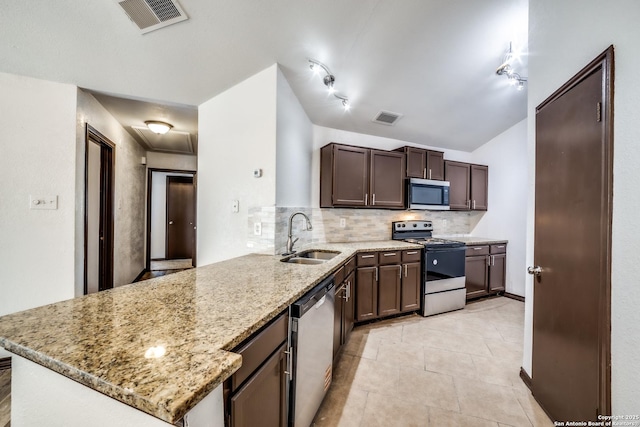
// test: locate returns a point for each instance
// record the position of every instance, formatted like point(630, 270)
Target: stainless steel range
point(443, 266)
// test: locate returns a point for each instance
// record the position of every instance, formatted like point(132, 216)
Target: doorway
point(171, 219)
point(98, 219)
point(572, 246)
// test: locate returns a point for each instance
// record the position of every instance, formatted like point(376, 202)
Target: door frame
point(108, 167)
point(605, 61)
point(195, 211)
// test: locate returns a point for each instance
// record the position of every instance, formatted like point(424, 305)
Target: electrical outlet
point(257, 228)
point(235, 206)
point(43, 202)
point(343, 222)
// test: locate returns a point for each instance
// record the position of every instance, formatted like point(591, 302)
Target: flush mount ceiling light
point(329, 80)
point(158, 127)
point(507, 69)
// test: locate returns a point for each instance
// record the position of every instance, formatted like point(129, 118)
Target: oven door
point(444, 269)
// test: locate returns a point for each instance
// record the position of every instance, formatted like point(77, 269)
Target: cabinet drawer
point(477, 250)
point(258, 349)
point(367, 259)
point(411, 256)
point(499, 249)
point(339, 275)
point(350, 266)
point(389, 257)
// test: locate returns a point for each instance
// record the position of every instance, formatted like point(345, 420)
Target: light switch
point(257, 228)
point(43, 202)
point(343, 222)
point(235, 206)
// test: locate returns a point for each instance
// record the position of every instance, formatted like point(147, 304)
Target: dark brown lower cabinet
point(411, 289)
point(344, 314)
point(261, 401)
point(367, 293)
point(477, 276)
point(498, 272)
point(485, 270)
point(389, 290)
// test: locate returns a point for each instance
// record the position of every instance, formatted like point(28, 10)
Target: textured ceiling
point(433, 61)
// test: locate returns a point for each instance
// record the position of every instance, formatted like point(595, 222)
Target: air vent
point(387, 118)
point(150, 15)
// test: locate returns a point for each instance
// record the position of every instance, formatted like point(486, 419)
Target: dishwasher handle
point(311, 298)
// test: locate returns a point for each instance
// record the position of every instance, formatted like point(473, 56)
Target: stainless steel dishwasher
point(312, 352)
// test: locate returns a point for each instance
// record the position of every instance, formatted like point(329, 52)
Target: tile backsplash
point(359, 225)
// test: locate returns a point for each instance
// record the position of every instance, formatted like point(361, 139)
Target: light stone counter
point(197, 316)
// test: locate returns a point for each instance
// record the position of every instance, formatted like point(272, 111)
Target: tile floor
point(455, 369)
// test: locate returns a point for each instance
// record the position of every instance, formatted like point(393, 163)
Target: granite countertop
point(473, 240)
point(198, 316)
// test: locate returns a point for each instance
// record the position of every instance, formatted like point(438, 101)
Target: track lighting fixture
point(506, 69)
point(329, 81)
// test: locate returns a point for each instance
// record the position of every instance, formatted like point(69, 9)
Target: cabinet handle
point(373, 199)
point(376, 274)
point(389, 254)
point(366, 199)
point(348, 290)
point(412, 253)
point(429, 173)
point(405, 270)
point(468, 204)
point(424, 174)
point(477, 249)
point(493, 260)
point(489, 261)
point(367, 256)
point(501, 247)
point(399, 272)
point(474, 204)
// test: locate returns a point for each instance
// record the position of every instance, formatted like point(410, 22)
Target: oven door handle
point(460, 248)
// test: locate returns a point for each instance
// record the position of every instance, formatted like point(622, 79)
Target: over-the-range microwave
point(427, 194)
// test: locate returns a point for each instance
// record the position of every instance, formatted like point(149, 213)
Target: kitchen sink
point(310, 257)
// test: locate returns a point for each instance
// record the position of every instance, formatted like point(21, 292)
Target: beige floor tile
point(441, 418)
point(495, 371)
point(449, 362)
point(343, 370)
point(490, 401)
point(387, 333)
point(511, 333)
point(341, 408)
point(427, 388)
point(533, 411)
point(361, 345)
point(402, 354)
point(509, 352)
point(387, 411)
point(379, 377)
point(455, 342)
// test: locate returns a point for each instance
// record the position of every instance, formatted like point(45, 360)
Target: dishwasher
point(311, 352)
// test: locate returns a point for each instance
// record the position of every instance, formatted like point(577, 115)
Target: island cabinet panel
point(387, 179)
point(262, 399)
point(458, 173)
point(389, 290)
point(366, 293)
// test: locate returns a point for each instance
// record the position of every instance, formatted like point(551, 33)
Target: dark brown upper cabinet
point(361, 177)
point(426, 164)
point(469, 185)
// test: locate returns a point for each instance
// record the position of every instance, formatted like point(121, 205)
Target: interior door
point(180, 217)
point(572, 248)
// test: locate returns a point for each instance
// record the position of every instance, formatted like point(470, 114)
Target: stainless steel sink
point(310, 257)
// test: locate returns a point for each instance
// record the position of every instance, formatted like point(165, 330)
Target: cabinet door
point(479, 187)
point(497, 272)
point(411, 288)
point(389, 290)
point(457, 174)
point(366, 293)
point(387, 179)
point(416, 162)
point(349, 308)
point(337, 319)
point(262, 400)
point(350, 176)
point(435, 165)
point(476, 272)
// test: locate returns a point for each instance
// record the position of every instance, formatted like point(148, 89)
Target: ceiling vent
point(150, 15)
point(387, 118)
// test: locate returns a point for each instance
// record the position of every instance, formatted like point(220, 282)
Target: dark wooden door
point(457, 174)
point(497, 272)
point(349, 308)
point(180, 217)
point(338, 316)
point(411, 281)
point(387, 179)
point(477, 275)
point(572, 248)
point(416, 162)
point(389, 290)
point(479, 187)
point(366, 293)
point(350, 176)
point(435, 165)
point(262, 400)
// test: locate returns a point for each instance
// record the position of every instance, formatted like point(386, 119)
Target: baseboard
point(5, 363)
point(139, 276)
point(158, 259)
point(526, 379)
point(514, 296)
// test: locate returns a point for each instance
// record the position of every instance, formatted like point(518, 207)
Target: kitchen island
point(159, 346)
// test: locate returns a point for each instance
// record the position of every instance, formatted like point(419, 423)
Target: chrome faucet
point(290, 241)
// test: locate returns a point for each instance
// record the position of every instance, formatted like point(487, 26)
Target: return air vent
point(150, 15)
point(387, 118)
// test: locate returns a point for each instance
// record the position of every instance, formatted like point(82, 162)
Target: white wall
point(563, 38)
point(38, 146)
point(171, 161)
point(129, 193)
point(293, 148)
point(506, 218)
point(237, 134)
point(159, 212)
